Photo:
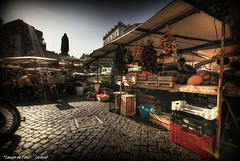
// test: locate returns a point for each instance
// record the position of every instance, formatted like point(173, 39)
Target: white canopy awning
point(193, 28)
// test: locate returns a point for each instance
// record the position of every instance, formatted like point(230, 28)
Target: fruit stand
point(172, 34)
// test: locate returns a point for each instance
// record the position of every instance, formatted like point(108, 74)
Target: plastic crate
point(209, 114)
point(144, 110)
point(199, 144)
point(195, 123)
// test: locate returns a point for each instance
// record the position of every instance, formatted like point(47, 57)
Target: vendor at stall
point(182, 68)
point(182, 71)
point(24, 81)
point(24, 86)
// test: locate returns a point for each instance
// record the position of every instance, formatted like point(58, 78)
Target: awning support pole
point(220, 86)
point(97, 69)
point(6, 73)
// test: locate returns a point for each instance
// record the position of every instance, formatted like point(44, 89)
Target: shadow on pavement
point(41, 101)
point(8, 146)
point(138, 119)
point(64, 106)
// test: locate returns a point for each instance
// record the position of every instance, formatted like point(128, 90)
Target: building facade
point(17, 38)
point(115, 32)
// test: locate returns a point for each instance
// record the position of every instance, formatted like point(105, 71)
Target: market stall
point(197, 32)
point(50, 77)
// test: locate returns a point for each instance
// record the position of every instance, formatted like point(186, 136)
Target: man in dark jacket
point(182, 68)
point(183, 71)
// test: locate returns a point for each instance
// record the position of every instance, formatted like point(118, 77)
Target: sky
point(84, 21)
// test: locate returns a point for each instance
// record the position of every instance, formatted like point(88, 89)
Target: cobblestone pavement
point(72, 132)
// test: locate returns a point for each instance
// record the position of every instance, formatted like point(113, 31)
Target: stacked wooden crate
point(152, 80)
point(162, 79)
point(130, 78)
point(128, 105)
point(142, 79)
point(166, 79)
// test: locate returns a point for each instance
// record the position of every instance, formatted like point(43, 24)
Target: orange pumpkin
point(202, 73)
point(195, 80)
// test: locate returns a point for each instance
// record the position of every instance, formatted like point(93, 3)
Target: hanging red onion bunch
point(149, 57)
point(168, 43)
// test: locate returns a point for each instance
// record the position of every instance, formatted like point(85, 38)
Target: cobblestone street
point(73, 131)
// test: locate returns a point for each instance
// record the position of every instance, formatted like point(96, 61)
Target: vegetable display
point(168, 43)
point(148, 57)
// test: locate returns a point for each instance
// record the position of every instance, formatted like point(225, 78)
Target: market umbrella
point(28, 60)
point(69, 61)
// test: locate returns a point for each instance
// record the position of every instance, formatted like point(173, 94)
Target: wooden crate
point(142, 77)
point(128, 105)
point(141, 82)
point(163, 121)
point(165, 83)
point(152, 78)
point(166, 78)
point(130, 80)
point(152, 83)
point(127, 79)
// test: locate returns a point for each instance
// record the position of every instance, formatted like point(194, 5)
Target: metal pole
point(6, 74)
point(220, 86)
point(97, 69)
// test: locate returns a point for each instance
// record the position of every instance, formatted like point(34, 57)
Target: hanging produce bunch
point(129, 56)
point(120, 67)
point(168, 43)
point(138, 52)
point(149, 57)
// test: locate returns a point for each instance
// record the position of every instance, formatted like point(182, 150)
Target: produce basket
point(161, 120)
point(102, 97)
point(144, 110)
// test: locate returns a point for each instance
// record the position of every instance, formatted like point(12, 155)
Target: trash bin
point(79, 91)
point(144, 110)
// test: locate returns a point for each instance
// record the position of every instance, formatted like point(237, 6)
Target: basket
point(144, 110)
point(103, 97)
point(161, 120)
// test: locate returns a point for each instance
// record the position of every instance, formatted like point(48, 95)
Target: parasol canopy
point(27, 60)
point(69, 61)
